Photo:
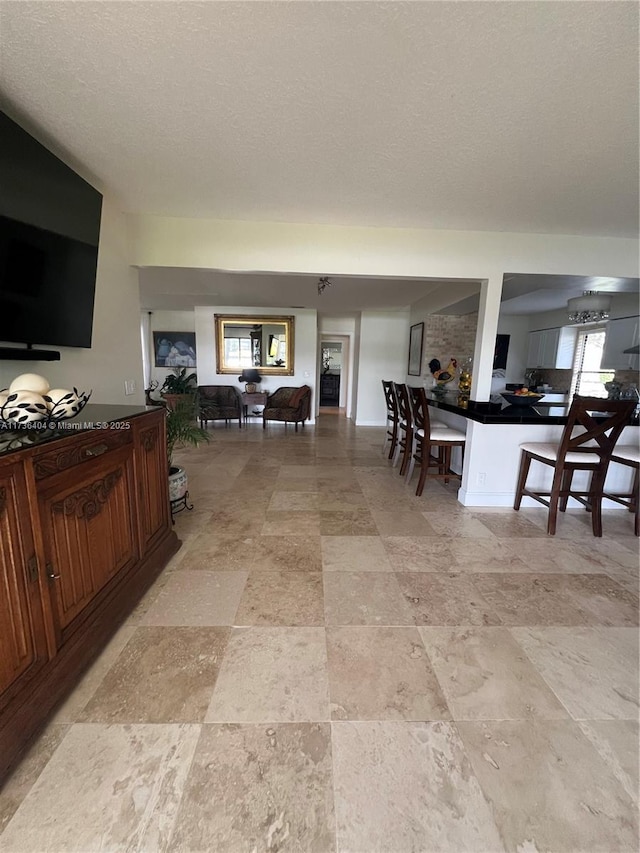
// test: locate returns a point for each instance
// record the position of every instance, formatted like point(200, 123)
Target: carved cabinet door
point(151, 478)
point(23, 647)
point(89, 532)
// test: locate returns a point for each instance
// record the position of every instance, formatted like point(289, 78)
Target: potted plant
point(182, 430)
point(179, 386)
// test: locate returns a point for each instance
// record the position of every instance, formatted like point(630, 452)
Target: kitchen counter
point(498, 411)
point(494, 432)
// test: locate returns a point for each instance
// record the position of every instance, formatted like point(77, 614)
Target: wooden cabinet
point(552, 347)
point(151, 467)
point(23, 647)
point(621, 334)
point(84, 529)
point(89, 534)
point(329, 388)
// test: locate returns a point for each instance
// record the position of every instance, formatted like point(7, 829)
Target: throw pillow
point(298, 396)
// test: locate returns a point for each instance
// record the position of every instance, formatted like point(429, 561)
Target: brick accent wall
point(447, 335)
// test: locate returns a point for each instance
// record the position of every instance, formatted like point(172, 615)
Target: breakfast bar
point(495, 431)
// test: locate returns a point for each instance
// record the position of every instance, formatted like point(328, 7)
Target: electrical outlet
point(129, 387)
point(481, 478)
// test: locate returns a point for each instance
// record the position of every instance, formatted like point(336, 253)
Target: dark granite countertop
point(498, 411)
point(92, 417)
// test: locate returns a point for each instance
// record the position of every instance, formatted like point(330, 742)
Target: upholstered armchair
point(291, 405)
point(219, 402)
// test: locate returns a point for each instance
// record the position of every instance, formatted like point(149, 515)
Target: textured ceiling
point(493, 116)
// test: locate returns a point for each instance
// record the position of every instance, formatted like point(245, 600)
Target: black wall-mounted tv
point(49, 231)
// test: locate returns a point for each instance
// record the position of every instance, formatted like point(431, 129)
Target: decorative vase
point(177, 483)
point(464, 380)
point(251, 387)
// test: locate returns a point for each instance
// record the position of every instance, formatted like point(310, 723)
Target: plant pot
point(174, 400)
point(178, 483)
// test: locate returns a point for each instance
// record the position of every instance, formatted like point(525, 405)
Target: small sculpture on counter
point(30, 400)
point(614, 389)
point(443, 377)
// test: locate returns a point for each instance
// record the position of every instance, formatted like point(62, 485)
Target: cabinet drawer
point(67, 454)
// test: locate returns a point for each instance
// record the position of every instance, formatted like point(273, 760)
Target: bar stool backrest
point(420, 410)
point(390, 400)
point(599, 436)
point(404, 406)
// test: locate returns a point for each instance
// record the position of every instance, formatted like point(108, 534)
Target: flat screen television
point(49, 231)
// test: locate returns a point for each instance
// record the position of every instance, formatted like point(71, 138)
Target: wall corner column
point(488, 313)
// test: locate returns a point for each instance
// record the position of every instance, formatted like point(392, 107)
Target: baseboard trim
point(506, 500)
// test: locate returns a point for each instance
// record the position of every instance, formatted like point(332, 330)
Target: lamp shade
point(589, 308)
point(249, 374)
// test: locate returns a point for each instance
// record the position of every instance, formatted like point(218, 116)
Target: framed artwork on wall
point(174, 349)
point(416, 334)
point(501, 351)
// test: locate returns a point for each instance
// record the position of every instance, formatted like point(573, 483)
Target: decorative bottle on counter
point(464, 381)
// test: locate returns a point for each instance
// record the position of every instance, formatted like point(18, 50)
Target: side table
point(258, 398)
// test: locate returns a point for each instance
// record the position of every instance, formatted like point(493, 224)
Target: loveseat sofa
point(219, 402)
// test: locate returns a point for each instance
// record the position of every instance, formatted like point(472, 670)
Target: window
point(237, 353)
point(588, 380)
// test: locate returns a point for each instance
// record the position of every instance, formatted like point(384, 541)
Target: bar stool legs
point(629, 456)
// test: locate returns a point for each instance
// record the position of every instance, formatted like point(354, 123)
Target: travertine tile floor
point(331, 664)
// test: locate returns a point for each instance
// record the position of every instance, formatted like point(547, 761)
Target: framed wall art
point(416, 334)
point(174, 349)
point(501, 352)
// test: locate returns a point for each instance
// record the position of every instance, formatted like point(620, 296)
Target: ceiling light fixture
point(323, 283)
point(591, 307)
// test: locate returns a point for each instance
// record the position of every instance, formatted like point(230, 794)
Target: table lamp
point(251, 377)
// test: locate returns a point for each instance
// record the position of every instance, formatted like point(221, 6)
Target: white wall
point(168, 321)
point(305, 340)
point(292, 247)
point(336, 325)
point(517, 327)
point(115, 354)
point(384, 342)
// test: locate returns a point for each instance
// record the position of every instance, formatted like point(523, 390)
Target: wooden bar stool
point(405, 427)
point(393, 417)
point(428, 435)
point(628, 454)
point(589, 450)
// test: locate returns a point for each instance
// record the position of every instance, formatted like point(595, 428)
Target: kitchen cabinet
point(621, 334)
point(552, 347)
point(84, 529)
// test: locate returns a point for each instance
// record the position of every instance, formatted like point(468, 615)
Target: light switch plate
point(129, 387)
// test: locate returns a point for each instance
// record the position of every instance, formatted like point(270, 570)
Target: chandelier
point(323, 283)
point(589, 308)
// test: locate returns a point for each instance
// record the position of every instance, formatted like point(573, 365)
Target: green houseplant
point(182, 431)
point(179, 386)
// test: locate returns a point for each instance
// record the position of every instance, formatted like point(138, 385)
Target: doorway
point(330, 374)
